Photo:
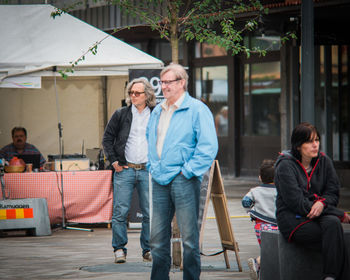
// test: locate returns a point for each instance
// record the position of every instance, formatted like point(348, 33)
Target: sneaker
point(119, 256)
point(254, 269)
point(147, 257)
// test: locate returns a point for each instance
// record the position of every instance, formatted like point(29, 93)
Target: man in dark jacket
point(125, 145)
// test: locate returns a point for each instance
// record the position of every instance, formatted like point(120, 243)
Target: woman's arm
point(332, 185)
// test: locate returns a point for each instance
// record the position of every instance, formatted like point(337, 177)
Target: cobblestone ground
point(72, 254)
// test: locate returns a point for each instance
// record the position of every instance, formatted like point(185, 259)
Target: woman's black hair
point(301, 134)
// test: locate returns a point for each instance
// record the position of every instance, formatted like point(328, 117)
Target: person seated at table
point(20, 146)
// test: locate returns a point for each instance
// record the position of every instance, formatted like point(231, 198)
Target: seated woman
point(307, 197)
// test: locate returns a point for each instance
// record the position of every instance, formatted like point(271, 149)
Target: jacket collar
point(184, 105)
point(287, 154)
point(186, 102)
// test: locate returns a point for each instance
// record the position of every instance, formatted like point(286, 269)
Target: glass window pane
point(211, 88)
point(268, 43)
point(320, 99)
point(345, 105)
point(247, 128)
point(212, 50)
point(197, 50)
point(340, 102)
point(262, 89)
point(335, 102)
point(344, 60)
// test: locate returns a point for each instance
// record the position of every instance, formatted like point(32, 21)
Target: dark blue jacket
point(297, 191)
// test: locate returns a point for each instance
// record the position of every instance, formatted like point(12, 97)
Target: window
point(207, 50)
point(211, 88)
point(333, 102)
point(268, 43)
point(262, 90)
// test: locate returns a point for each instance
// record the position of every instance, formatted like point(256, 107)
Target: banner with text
point(151, 75)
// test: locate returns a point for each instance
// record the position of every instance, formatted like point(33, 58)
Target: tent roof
point(31, 40)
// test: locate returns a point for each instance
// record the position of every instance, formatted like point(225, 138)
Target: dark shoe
point(147, 257)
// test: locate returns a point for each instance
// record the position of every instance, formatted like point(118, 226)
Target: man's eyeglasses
point(135, 93)
point(169, 82)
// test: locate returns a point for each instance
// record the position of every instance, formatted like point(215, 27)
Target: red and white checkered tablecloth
point(88, 195)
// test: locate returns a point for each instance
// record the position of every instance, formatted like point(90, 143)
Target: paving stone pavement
point(73, 254)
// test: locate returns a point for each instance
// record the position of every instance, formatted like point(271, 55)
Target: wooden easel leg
point(227, 261)
point(238, 261)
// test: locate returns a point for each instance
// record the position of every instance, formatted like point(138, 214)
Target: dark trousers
point(326, 234)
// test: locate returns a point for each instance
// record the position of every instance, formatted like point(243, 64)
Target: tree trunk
point(174, 42)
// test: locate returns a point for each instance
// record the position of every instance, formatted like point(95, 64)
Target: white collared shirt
point(164, 121)
point(136, 148)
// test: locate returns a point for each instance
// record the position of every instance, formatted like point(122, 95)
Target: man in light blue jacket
point(182, 145)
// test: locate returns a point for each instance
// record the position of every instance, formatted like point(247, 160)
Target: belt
point(137, 166)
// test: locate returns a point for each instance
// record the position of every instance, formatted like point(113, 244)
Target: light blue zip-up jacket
point(190, 145)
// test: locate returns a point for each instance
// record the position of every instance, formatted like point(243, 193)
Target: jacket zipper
point(308, 177)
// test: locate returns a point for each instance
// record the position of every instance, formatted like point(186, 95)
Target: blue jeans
point(123, 187)
point(180, 196)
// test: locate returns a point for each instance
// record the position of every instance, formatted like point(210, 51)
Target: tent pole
point(60, 143)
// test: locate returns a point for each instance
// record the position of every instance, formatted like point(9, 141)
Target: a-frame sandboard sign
point(216, 192)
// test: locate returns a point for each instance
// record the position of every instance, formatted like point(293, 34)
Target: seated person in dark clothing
point(307, 197)
point(20, 146)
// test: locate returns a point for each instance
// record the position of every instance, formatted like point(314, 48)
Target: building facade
point(257, 101)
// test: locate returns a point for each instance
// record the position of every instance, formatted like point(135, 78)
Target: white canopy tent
point(34, 47)
point(32, 41)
